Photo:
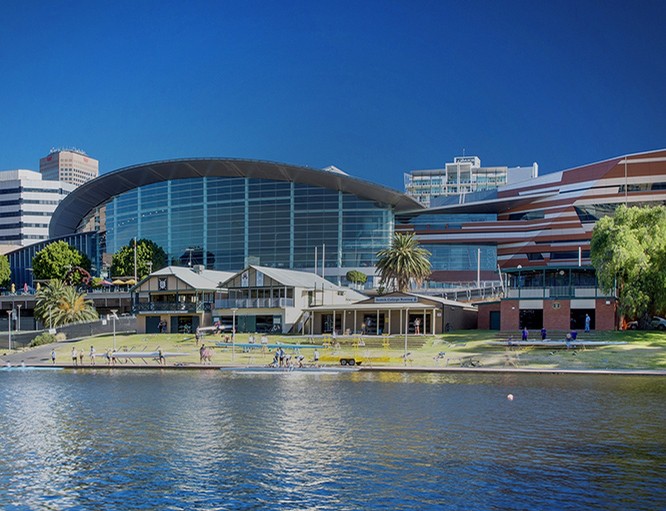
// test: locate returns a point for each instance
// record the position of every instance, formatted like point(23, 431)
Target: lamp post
point(113, 312)
point(18, 324)
point(406, 330)
point(135, 272)
point(233, 333)
point(9, 328)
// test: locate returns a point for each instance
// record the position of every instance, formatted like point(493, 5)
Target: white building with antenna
point(464, 175)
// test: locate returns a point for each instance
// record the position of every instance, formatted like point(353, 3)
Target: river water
point(213, 440)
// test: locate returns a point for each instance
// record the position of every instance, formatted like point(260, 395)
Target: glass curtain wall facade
point(226, 223)
point(449, 255)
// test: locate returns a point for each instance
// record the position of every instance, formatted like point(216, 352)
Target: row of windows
point(18, 202)
point(277, 223)
point(18, 225)
point(25, 189)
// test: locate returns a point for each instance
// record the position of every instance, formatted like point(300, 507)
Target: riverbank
point(475, 351)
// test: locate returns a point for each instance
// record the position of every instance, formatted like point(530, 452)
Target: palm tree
point(58, 304)
point(403, 262)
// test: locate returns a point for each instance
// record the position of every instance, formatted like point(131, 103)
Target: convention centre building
point(528, 240)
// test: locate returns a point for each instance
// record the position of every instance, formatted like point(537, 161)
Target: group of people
point(286, 360)
point(78, 356)
point(571, 336)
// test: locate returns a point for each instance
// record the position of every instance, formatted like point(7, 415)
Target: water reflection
point(129, 440)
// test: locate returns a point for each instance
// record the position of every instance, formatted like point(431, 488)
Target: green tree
point(56, 260)
point(58, 304)
point(357, 277)
point(405, 261)
point(149, 257)
point(628, 252)
point(5, 271)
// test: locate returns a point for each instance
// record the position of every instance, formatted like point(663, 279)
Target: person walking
point(75, 357)
point(92, 355)
point(53, 356)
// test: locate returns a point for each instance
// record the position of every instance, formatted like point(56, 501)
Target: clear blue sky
point(376, 88)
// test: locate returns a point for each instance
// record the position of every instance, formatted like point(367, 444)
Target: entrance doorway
point(532, 319)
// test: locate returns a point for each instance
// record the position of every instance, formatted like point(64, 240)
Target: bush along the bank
point(43, 338)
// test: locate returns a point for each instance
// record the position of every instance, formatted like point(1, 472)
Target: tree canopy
point(58, 304)
point(356, 277)
point(56, 260)
point(405, 261)
point(149, 257)
point(5, 271)
point(628, 251)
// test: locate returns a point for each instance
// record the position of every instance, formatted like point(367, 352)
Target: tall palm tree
point(403, 262)
point(58, 304)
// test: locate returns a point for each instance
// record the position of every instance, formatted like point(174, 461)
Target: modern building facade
point(464, 175)
point(69, 166)
point(536, 236)
point(227, 214)
point(27, 203)
point(529, 240)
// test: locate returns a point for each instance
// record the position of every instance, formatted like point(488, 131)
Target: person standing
point(544, 333)
point(53, 356)
point(587, 323)
point(75, 357)
point(92, 355)
point(525, 333)
point(417, 326)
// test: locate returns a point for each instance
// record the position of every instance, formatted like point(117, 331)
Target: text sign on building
point(396, 299)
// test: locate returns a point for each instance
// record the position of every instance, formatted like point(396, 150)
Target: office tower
point(68, 165)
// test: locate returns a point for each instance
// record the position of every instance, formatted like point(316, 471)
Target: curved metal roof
point(92, 194)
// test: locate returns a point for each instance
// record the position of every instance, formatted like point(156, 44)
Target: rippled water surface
point(214, 440)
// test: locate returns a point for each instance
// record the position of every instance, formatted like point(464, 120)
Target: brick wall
point(510, 315)
point(605, 314)
point(484, 313)
point(557, 318)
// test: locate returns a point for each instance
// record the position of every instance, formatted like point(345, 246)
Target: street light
point(9, 328)
point(113, 311)
point(233, 333)
point(406, 330)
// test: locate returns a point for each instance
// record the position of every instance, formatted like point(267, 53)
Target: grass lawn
point(643, 350)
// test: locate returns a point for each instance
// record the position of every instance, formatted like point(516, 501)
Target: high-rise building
point(464, 175)
point(68, 165)
point(26, 205)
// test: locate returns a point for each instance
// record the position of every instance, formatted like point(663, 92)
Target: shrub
point(60, 336)
point(43, 338)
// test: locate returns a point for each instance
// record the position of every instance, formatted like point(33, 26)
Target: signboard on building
point(396, 299)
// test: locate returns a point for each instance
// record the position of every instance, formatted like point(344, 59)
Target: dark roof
point(92, 194)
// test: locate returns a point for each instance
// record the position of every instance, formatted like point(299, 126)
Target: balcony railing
point(186, 307)
point(556, 292)
point(255, 303)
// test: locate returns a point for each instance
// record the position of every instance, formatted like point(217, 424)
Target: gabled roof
point(293, 278)
point(206, 280)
